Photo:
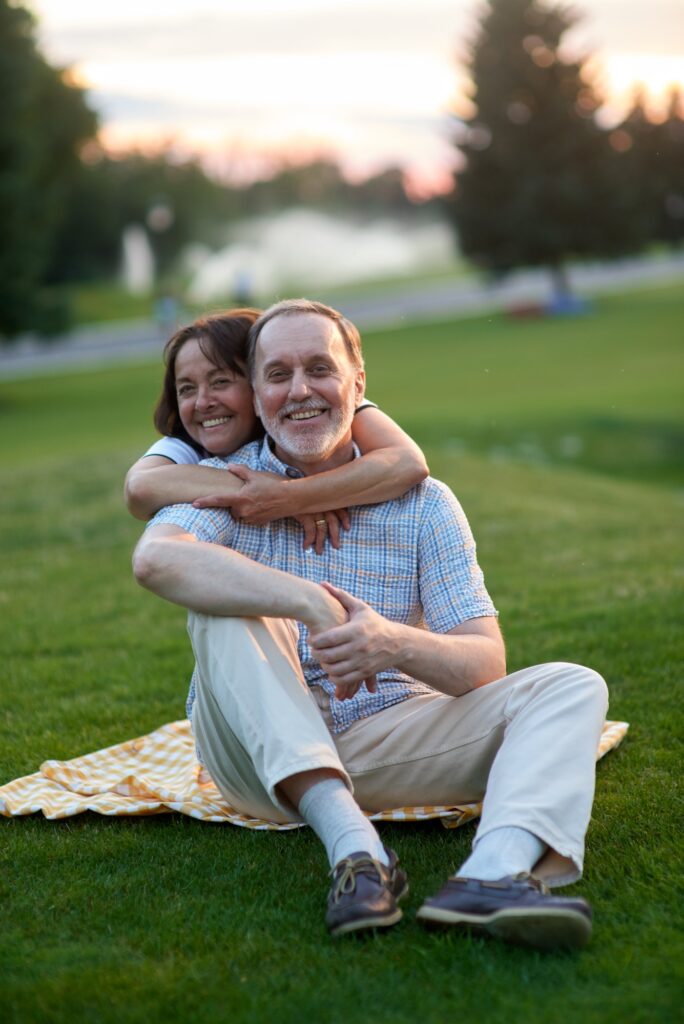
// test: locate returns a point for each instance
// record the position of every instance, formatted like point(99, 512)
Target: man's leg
point(529, 740)
point(269, 752)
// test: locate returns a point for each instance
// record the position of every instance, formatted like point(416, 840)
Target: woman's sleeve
point(172, 448)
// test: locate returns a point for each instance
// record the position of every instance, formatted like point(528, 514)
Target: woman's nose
point(204, 398)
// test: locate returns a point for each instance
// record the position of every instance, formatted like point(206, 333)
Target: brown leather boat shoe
point(516, 909)
point(365, 894)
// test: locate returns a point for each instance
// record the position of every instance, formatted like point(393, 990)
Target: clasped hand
point(265, 497)
point(357, 650)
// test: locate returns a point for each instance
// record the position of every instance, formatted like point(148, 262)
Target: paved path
point(132, 341)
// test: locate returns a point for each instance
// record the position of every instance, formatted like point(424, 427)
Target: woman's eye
point(184, 391)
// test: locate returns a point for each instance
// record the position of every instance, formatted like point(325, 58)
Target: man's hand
point(355, 651)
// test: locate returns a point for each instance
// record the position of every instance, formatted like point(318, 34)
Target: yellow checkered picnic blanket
point(159, 773)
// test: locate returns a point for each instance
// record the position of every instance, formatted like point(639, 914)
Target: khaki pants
point(526, 743)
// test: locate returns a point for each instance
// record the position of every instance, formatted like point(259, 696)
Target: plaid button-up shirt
point(412, 559)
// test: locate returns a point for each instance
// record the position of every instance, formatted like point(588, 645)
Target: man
point(392, 690)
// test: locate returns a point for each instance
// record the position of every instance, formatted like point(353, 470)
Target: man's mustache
point(309, 404)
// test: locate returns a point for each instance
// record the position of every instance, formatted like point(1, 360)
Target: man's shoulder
point(428, 493)
point(249, 455)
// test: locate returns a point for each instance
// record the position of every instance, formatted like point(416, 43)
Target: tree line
point(542, 181)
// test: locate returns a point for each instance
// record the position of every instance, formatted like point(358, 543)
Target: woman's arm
point(155, 481)
point(392, 463)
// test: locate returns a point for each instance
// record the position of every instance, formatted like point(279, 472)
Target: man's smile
point(298, 413)
point(309, 414)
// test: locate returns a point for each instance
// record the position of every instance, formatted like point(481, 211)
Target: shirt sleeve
point(180, 452)
point(452, 587)
point(365, 404)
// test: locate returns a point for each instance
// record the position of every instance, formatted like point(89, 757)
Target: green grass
point(103, 301)
point(168, 919)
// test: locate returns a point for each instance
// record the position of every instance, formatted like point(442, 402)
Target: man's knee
point(580, 682)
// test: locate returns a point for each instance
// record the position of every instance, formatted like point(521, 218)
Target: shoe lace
point(345, 881)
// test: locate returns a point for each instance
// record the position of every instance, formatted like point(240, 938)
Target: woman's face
point(215, 403)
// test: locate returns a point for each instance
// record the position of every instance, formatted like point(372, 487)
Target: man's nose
point(299, 386)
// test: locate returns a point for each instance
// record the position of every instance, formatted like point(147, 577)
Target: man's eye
point(321, 370)
point(277, 375)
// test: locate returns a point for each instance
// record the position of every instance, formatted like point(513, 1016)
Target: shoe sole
point(367, 923)
point(540, 929)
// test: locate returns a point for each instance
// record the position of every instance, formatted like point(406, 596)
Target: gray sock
point(505, 851)
point(339, 822)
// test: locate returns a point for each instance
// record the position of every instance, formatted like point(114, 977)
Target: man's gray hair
point(290, 307)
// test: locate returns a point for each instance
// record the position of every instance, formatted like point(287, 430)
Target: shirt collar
point(270, 461)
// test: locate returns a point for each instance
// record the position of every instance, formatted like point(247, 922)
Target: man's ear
point(360, 386)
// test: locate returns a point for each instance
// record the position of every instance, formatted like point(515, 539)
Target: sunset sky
point(369, 81)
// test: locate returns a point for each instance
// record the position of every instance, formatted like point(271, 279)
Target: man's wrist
point(404, 643)
point(320, 611)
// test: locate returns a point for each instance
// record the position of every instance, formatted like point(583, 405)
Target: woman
point(206, 409)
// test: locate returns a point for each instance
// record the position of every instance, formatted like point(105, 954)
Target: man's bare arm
point(469, 656)
point(214, 580)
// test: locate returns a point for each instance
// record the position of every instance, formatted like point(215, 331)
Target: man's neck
point(343, 453)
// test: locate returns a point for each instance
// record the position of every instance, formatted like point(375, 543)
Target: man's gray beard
point(316, 446)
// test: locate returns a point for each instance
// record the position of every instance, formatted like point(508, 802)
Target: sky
point(370, 82)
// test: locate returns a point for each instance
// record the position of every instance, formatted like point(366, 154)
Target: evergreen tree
point(539, 184)
point(651, 157)
point(43, 121)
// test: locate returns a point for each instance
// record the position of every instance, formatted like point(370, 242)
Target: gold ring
point(321, 522)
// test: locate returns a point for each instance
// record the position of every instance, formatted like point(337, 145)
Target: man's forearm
point(471, 655)
point(451, 663)
point(217, 581)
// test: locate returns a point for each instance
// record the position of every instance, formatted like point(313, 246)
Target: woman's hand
point(267, 496)
point(321, 527)
point(262, 498)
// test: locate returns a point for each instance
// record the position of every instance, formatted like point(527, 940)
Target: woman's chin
point(223, 446)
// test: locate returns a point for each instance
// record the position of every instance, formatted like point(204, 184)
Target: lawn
point(563, 440)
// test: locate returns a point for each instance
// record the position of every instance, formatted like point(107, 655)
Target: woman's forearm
point(378, 476)
point(147, 489)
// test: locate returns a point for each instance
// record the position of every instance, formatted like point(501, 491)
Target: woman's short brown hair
point(222, 338)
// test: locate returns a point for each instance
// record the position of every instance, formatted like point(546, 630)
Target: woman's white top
point(180, 452)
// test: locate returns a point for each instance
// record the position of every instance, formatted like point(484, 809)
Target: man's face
point(306, 389)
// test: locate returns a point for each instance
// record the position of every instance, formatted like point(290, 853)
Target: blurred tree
point(175, 201)
point(320, 184)
point(178, 203)
point(539, 182)
point(43, 121)
point(651, 157)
